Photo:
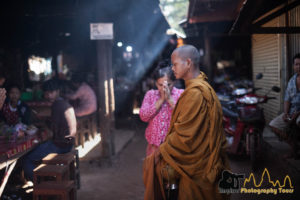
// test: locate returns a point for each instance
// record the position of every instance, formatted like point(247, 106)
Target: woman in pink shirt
point(157, 108)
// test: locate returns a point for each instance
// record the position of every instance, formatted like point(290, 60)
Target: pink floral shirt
point(159, 121)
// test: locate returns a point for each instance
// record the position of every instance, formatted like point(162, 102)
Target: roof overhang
point(254, 14)
point(201, 11)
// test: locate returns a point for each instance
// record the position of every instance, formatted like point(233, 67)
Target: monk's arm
point(192, 119)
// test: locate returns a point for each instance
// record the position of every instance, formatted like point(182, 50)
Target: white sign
point(101, 31)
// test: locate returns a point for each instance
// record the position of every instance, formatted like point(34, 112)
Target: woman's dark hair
point(163, 69)
point(51, 85)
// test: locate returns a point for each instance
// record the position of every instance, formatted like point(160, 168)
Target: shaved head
point(185, 60)
point(189, 51)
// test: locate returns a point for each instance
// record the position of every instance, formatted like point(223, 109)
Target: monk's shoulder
point(194, 90)
point(192, 93)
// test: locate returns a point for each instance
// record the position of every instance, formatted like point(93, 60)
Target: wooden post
point(105, 78)
point(111, 92)
point(104, 51)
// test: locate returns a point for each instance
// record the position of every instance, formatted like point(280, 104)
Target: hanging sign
point(101, 31)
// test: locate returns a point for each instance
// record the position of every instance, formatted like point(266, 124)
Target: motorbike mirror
point(259, 76)
point(276, 89)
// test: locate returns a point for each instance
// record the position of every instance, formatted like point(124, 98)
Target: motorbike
point(244, 121)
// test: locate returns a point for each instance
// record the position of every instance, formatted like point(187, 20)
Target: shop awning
point(212, 10)
point(250, 18)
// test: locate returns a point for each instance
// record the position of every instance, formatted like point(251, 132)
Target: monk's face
point(180, 66)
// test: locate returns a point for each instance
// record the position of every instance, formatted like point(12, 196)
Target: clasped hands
point(165, 95)
point(164, 92)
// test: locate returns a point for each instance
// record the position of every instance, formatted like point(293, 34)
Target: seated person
point(14, 110)
point(63, 126)
point(87, 100)
point(280, 124)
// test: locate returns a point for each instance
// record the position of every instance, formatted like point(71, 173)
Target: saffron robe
point(195, 143)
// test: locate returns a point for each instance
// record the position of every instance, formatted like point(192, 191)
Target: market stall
point(15, 142)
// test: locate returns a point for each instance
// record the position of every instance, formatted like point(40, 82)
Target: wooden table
point(11, 152)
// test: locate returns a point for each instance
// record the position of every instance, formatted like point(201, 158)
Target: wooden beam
point(277, 13)
point(245, 17)
point(275, 30)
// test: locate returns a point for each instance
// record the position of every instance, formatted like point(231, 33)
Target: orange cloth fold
point(152, 179)
point(195, 143)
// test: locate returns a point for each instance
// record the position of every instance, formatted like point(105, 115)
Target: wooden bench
point(49, 172)
point(86, 129)
point(71, 160)
point(65, 190)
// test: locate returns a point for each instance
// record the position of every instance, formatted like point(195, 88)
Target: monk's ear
point(189, 62)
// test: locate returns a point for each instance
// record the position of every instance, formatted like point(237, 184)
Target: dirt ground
point(122, 181)
point(122, 178)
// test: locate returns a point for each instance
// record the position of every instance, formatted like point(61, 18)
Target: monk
point(195, 144)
